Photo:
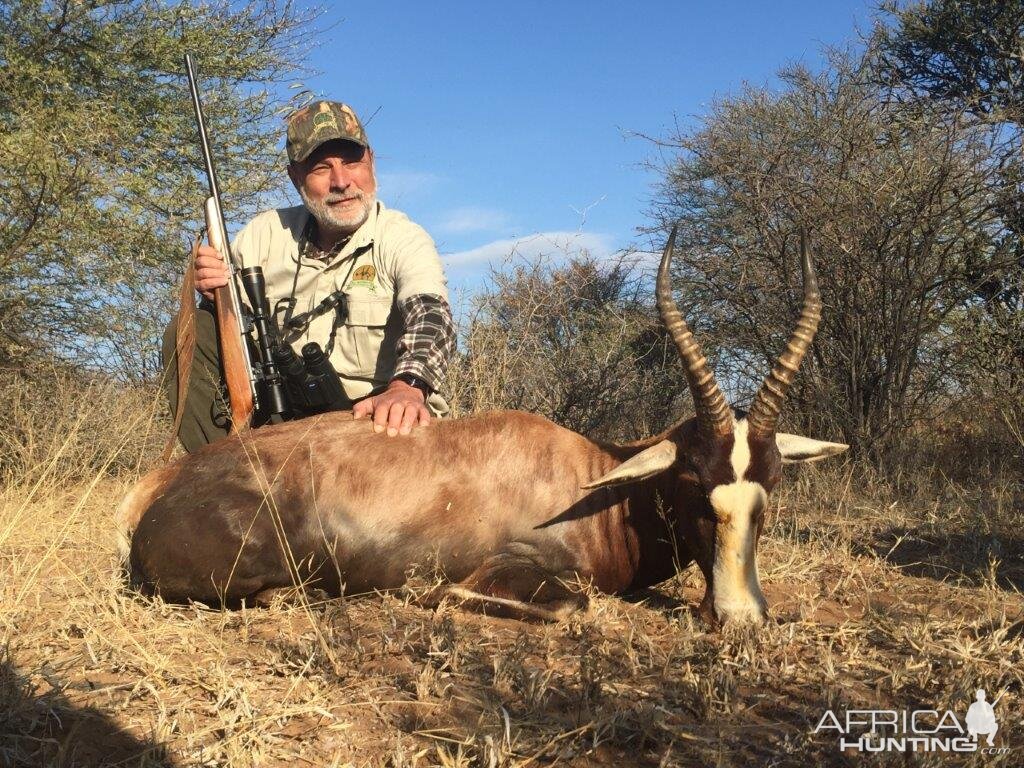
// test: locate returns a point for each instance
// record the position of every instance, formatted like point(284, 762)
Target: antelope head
point(727, 462)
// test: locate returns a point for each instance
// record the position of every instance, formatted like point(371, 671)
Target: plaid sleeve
point(429, 338)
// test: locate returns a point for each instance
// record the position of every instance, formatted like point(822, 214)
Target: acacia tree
point(897, 200)
point(99, 159)
point(969, 54)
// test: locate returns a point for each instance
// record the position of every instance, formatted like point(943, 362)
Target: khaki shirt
point(387, 260)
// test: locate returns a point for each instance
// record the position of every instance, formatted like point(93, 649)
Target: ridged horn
point(764, 412)
point(713, 413)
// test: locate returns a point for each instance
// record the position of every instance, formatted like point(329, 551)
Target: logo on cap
point(324, 121)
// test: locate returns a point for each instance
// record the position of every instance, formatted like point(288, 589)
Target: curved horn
point(713, 413)
point(764, 412)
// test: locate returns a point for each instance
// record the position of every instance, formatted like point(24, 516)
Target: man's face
point(337, 185)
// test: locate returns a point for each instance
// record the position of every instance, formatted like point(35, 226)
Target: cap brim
point(326, 140)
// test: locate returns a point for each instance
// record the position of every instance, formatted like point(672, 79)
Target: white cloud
point(532, 246)
point(472, 219)
point(647, 261)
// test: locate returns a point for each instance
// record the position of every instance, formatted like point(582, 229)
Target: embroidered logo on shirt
point(364, 277)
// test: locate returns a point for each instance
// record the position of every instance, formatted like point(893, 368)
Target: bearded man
point(386, 325)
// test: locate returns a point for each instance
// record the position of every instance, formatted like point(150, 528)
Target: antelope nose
point(749, 612)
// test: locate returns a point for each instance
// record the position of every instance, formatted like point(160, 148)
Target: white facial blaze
point(740, 457)
point(737, 592)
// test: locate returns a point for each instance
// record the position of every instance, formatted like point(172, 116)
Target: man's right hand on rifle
point(211, 271)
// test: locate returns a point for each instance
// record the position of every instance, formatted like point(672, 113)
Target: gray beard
point(329, 221)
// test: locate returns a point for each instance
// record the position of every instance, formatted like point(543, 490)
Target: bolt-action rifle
point(244, 383)
point(281, 384)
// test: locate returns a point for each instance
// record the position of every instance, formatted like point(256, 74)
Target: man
point(386, 324)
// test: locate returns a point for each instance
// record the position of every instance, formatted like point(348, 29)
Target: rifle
point(312, 383)
point(231, 334)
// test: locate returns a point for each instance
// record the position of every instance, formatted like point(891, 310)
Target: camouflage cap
point(319, 122)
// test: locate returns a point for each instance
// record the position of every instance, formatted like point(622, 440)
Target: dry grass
point(904, 601)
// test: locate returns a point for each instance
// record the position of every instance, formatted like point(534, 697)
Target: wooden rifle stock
point(233, 359)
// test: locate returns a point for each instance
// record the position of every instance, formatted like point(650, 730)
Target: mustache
point(338, 198)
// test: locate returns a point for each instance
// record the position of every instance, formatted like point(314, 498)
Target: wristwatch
point(415, 381)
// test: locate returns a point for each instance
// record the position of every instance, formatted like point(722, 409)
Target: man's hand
point(398, 409)
point(211, 271)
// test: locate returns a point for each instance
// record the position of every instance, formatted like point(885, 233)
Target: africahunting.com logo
point(918, 730)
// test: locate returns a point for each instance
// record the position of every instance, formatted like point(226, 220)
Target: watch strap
point(416, 382)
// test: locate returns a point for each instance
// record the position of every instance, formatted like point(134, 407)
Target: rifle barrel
point(211, 173)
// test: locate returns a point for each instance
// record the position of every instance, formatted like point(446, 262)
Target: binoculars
point(292, 386)
point(310, 381)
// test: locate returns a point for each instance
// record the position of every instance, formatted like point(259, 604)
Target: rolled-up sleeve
point(428, 341)
point(421, 296)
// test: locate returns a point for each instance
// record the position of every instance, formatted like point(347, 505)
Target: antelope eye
point(687, 471)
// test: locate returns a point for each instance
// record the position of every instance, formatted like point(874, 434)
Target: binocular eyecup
point(312, 383)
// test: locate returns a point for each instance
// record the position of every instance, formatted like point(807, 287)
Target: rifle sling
point(184, 344)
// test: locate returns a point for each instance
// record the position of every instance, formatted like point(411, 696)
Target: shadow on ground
point(953, 556)
point(46, 729)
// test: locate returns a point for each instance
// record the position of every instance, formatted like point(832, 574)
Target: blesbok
point(511, 507)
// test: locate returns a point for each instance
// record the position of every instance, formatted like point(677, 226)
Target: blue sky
point(514, 125)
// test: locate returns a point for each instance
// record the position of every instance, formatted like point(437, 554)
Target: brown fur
point(307, 500)
point(494, 502)
point(137, 501)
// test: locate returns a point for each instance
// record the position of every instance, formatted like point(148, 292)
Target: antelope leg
point(516, 587)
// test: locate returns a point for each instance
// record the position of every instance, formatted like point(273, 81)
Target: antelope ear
point(796, 448)
point(648, 462)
